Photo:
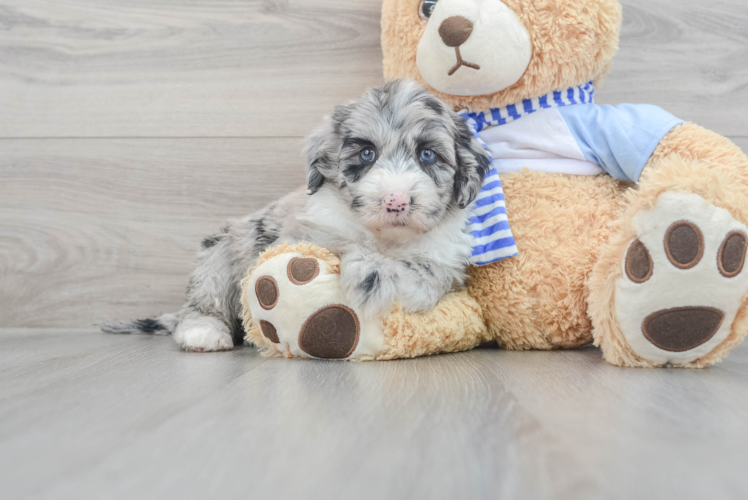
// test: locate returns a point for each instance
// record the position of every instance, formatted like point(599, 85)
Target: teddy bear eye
point(426, 8)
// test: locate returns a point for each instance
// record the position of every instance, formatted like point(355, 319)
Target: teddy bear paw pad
point(683, 279)
point(300, 308)
point(332, 332)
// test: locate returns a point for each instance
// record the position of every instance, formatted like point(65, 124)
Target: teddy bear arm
point(694, 143)
point(294, 306)
point(455, 324)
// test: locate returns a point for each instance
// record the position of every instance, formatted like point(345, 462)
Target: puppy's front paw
point(371, 287)
point(204, 334)
point(418, 304)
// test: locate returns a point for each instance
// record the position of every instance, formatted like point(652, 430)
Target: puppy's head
point(400, 159)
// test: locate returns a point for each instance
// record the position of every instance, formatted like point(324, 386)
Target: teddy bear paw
point(683, 279)
point(298, 305)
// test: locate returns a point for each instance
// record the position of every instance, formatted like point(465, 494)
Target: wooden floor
point(88, 415)
point(130, 129)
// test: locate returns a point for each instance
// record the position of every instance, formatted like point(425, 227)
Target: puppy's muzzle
point(397, 204)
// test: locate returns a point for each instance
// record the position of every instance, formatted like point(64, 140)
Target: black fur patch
point(357, 143)
point(264, 236)
point(237, 330)
point(435, 105)
point(354, 172)
point(464, 134)
point(149, 325)
point(211, 241)
point(357, 202)
point(314, 178)
point(461, 182)
point(464, 141)
point(431, 170)
point(370, 283)
point(484, 164)
point(427, 269)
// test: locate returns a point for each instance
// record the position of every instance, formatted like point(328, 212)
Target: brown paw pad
point(682, 328)
point(269, 331)
point(302, 270)
point(684, 244)
point(267, 292)
point(331, 332)
point(731, 257)
point(639, 264)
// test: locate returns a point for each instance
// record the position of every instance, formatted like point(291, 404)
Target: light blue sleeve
point(618, 138)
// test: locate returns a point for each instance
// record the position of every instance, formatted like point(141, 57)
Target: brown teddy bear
point(630, 225)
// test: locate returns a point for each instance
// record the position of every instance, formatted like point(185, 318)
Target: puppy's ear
point(322, 148)
point(473, 162)
point(318, 149)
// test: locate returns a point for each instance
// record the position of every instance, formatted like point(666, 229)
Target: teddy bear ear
point(473, 162)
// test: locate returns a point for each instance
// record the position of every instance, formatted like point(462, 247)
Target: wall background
point(130, 129)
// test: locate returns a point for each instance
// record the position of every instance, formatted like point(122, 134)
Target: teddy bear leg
point(294, 306)
point(670, 289)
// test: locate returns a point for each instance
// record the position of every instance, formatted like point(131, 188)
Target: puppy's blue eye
point(368, 155)
point(428, 156)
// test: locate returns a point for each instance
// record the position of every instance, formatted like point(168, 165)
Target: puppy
point(390, 176)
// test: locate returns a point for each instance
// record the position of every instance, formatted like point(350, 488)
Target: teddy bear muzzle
point(473, 48)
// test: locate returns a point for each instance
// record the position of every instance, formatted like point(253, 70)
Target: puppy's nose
point(397, 202)
point(455, 30)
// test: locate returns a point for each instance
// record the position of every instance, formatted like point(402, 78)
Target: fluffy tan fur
point(455, 324)
point(573, 42)
point(692, 142)
point(538, 300)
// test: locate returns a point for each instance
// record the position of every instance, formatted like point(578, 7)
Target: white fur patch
point(670, 287)
point(296, 303)
point(203, 335)
point(499, 43)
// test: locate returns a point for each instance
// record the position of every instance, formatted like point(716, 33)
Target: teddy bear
point(630, 224)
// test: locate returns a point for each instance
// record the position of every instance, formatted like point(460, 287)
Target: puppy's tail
point(161, 325)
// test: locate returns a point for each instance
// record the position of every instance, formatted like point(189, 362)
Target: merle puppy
point(389, 177)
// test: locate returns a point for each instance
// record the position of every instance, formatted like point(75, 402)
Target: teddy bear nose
point(455, 30)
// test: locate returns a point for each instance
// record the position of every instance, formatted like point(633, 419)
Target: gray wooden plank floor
point(87, 415)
